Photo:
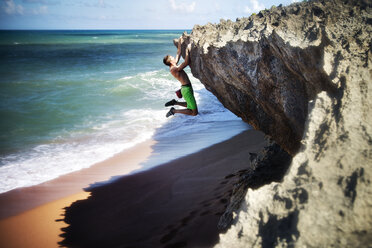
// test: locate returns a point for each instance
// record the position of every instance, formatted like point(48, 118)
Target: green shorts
point(188, 95)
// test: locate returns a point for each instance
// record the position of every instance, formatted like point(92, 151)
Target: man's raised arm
point(187, 60)
point(178, 56)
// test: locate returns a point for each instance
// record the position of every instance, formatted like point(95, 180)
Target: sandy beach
point(175, 204)
point(31, 212)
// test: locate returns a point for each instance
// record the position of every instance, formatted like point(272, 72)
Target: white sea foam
point(125, 78)
point(74, 151)
point(49, 161)
point(112, 72)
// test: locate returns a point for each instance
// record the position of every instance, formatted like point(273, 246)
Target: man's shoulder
point(174, 70)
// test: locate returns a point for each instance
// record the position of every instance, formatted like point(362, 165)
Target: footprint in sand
point(173, 232)
point(205, 213)
point(177, 245)
point(166, 238)
point(229, 176)
point(186, 220)
point(169, 227)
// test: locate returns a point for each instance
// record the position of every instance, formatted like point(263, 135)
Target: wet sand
point(28, 215)
point(175, 204)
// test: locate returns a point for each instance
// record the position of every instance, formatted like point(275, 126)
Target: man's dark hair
point(165, 60)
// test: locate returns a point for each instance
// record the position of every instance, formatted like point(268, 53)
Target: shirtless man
point(186, 88)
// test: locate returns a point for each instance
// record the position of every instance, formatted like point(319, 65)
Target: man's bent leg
point(174, 102)
point(183, 104)
point(192, 112)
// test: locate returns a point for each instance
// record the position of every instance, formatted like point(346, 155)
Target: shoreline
point(22, 199)
point(45, 203)
point(31, 216)
point(141, 157)
point(176, 204)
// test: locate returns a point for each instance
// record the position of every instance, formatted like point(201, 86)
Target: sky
point(124, 14)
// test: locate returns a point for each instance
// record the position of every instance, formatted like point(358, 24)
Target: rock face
point(302, 75)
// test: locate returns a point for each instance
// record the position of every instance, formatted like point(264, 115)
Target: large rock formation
point(302, 75)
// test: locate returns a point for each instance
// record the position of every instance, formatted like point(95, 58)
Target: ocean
point(70, 99)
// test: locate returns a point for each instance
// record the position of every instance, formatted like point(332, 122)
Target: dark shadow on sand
point(177, 204)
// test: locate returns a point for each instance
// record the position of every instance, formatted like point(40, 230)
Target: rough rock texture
point(301, 74)
point(268, 166)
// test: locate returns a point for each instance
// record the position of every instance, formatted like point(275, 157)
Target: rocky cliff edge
point(302, 75)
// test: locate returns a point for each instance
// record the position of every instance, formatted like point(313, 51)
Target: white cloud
point(47, 2)
point(97, 4)
point(255, 7)
point(12, 8)
point(102, 4)
point(183, 6)
point(42, 10)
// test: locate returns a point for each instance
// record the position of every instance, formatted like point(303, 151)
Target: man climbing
point(186, 88)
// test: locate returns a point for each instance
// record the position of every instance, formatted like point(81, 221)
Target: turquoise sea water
point(69, 99)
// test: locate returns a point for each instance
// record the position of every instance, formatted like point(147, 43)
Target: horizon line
point(99, 29)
